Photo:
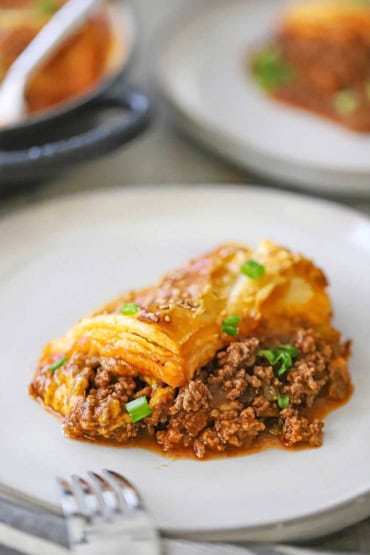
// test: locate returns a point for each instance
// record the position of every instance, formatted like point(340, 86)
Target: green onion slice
point(129, 308)
point(269, 354)
point(232, 320)
point(286, 362)
point(252, 269)
point(47, 7)
point(230, 330)
point(283, 401)
point(270, 69)
point(291, 349)
point(57, 364)
point(138, 409)
point(230, 324)
point(283, 355)
point(345, 102)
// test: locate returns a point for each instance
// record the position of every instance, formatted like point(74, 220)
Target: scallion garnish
point(286, 362)
point(57, 364)
point(283, 401)
point(291, 349)
point(283, 355)
point(345, 102)
point(252, 269)
point(47, 7)
point(230, 324)
point(269, 354)
point(138, 409)
point(270, 69)
point(230, 330)
point(129, 308)
point(232, 320)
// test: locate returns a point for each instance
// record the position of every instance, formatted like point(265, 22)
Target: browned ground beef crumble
point(228, 404)
point(324, 68)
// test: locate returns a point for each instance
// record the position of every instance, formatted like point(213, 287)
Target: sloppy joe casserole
point(234, 347)
point(319, 59)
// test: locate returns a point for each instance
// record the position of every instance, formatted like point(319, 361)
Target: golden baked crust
point(178, 326)
point(176, 329)
point(328, 19)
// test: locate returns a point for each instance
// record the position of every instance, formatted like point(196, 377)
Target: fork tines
point(105, 512)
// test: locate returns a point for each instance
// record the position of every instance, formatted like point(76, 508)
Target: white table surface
point(162, 155)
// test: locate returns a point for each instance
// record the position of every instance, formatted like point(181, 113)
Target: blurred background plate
point(205, 77)
point(89, 125)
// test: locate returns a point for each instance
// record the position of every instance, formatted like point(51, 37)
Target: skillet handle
point(90, 144)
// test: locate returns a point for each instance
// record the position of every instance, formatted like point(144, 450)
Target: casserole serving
point(227, 352)
point(319, 59)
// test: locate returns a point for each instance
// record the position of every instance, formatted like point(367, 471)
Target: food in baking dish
point(319, 59)
point(76, 66)
point(231, 349)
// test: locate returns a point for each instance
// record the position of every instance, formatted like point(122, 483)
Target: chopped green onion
point(269, 354)
point(230, 324)
point(138, 409)
point(47, 7)
point(287, 353)
point(58, 364)
point(283, 354)
point(286, 362)
point(230, 330)
point(291, 349)
point(232, 320)
point(345, 102)
point(252, 269)
point(129, 308)
point(270, 68)
point(283, 401)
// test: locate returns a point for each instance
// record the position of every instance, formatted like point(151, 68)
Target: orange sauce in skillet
point(73, 70)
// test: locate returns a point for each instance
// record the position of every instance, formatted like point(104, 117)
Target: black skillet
point(44, 145)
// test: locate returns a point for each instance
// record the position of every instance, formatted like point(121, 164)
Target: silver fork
point(105, 514)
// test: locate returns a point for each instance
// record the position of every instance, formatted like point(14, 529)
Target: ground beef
point(192, 397)
point(331, 66)
point(92, 416)
point(233, 402)
point(321, 69)
point(298, 429)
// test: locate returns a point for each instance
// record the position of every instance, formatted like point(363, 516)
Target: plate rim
point(210, 133)
point(290, 175)
point(360, 501)
point(254, 533)
point(9, 212)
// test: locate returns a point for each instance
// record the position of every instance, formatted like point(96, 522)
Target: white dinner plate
point(204, 76)
point(62, 258)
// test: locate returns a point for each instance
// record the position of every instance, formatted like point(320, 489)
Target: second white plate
point(61, 259)
point(205, 77)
